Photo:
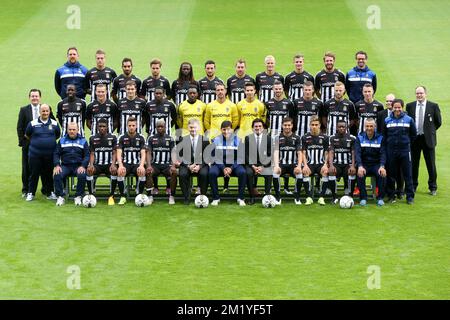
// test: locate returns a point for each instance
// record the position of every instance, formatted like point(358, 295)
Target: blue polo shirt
point(43, 137)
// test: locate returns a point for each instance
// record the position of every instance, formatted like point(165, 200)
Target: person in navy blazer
point(427, 124)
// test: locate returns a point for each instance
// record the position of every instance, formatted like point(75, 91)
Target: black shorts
point(102, 169)
point(131, 168)
point(287, 169)
point(163, 169)
point(341, 170)
point(315, 169)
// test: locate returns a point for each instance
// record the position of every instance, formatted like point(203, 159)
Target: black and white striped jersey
point(131, 147)
point(365, 110)
point(130, 108)
point(264, 85)
point(95, 77)
point(119, 85)
point(180, 90)
point(96, 110)
point(147, 89)
point(236, 87)
point(103, 147)
point(303, 111)
point(161, 148)
point(315, 147)
point(208, 89)
point(155, 111)
point(288, 147)
point(71, 111)
point(276, 112)
point(324, 83)
point(342, 147)
point(338, 110)
point(293, 84)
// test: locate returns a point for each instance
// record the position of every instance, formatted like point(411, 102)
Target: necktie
point(420, 120)
point(192, 150)
point(258, 139)
point(35, 113)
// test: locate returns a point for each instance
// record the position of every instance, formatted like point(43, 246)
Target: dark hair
point(256, 121)
point(190, 76)
point(102, 120)
point(361, 52)
point(277, 82)
point(72, 48)
point(287, 119)
point(225, 124)
point(398, 101)
point(127, 60)
point(210, 62)
point(368, 85)
point(130, 83)
point(249, 84)
point(35, 90)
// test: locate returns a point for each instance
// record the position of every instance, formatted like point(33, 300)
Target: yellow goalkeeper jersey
point(188, 111)
point(249, 111)
point(216, 113)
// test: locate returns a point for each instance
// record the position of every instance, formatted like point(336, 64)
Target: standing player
point(71, 109)
point(236, 83)
point(101, 108)
point(294, 81)
point(366, 108)
point(131, 106)
point(147, 90)
point(161, 159)
point(180, 87)
point(102, 159)
point(337, 108)
point(304, 108)
point(357, 77)
point(341, 159)
point(100, 74)
point(118, 89)
point(315, 157)
point(218, 111)
point(326, 79)
point(249, 109)
point(160, 109)
point(209, 82)
point(277, 109)
point(131, 153)
point(266, 79)
point(192, 108)
point(287, 159)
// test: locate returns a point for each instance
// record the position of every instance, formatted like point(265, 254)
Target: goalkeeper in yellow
point(249, 109)
point(192, 108)
point(218, 111)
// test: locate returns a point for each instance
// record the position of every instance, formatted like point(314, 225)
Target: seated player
point(370, 155)
point(70, 158)
point(315, 153)
point(258, 147)
point(102, 159)
point(161, 159)
point(287, 159)
point(341, 159)
point(131, 153)
point(227, 161)
point(190, 150)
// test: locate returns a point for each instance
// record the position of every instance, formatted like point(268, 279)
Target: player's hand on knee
point(141, 171)
point(90, 170)
point(277, 170)
point(297, 170)
point(306, 171)
point(122, 171)
point(81, 170)
point(57, 170)
point(351, 171)
point(382, 172)
point(113, 170)
point(324, 170)
point(361, 172)
point(332, 170)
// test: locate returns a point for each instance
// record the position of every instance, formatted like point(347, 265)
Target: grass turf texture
point(164, 252)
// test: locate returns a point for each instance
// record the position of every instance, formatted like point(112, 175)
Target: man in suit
point(258, 158)
point(427, 116)
point(190, 150)
point(26, 114)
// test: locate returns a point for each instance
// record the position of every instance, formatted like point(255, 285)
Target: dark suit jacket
point(25, 116)
point(265, 150)
point(431, 122)
point(184, 149)
point(381, 116)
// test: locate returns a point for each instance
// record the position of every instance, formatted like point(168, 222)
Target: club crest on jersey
point(320, 140)
point(107, 76)
point(374, 109)
point(166, 109)
point(198, 109)
point(227, 109)
point(137, 143)
point(344, 108)
point(50, 127)
point(348, 144)
point(255, 109)
point(108, 109)
point(109, 143)
point(313, 108)
point(167, 143)
point(284, 107)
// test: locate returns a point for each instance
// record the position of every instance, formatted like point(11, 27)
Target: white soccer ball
point(201, 201)
point(269, 201)
point(141, 200)
point(346, 202)
point(89, 201)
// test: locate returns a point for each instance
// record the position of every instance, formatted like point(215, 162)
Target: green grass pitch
point(164, 252)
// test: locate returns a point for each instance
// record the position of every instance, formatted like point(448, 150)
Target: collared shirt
point(194, 141)
point(35, 111)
